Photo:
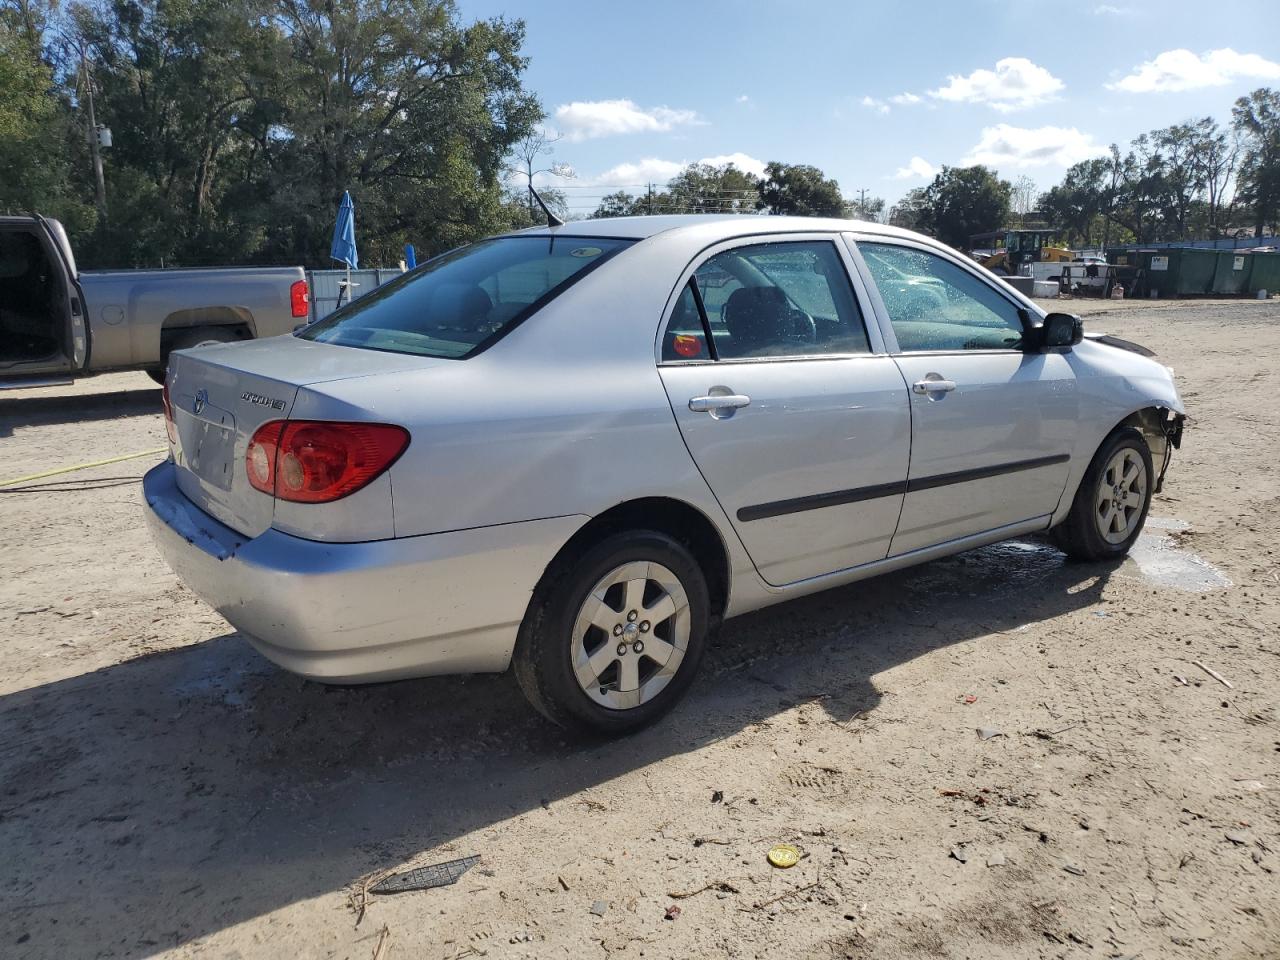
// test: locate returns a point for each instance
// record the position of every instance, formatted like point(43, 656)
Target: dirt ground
point(166, 792)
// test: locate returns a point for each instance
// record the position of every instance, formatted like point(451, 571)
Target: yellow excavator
point(1005, 251)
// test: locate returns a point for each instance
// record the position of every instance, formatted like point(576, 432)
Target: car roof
point(723, 226)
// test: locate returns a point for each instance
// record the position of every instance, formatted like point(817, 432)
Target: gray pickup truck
point(57, 323)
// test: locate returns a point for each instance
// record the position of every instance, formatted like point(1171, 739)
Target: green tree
point(910, 212)
point(1257, 119)
point(800, 190)
point(866, 208)
point(618, 204)
point(703, 188)
point(38, 137)
point(962, 201)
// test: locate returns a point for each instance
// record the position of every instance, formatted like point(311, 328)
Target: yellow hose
point(82, 466)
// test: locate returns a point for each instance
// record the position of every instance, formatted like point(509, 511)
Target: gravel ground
point(166, 792)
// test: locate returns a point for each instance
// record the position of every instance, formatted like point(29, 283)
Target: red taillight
point(299, 299)
point(169, 426)
point(317, 461)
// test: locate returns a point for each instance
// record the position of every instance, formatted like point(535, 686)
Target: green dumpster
point(1178, 271)
point(1231, 272)
point(1264, 272)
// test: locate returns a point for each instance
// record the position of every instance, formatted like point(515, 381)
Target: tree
point(801, 190)
point(910, 213)
point(703, 188)
point(413, 112)
point(537, 143)
point(698, 188)
point(1257, 119)
point(39, 140)
point(866, 208)
point(1215, 157)
point(962, 201)
point(1022, 198)
point(618, 204)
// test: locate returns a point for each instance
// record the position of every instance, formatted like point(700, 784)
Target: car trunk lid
point(220, 395)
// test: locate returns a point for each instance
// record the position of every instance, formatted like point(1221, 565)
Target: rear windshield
point(460, 302)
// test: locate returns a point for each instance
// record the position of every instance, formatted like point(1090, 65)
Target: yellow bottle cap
point(784, 855)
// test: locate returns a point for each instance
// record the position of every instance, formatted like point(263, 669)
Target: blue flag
point(343, 248)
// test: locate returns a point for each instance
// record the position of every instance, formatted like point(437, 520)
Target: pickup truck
point(57, 323)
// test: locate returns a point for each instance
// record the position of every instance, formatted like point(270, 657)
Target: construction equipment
point(1005, 251)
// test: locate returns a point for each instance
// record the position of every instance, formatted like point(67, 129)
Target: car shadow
point(218, 788)
point(76, 407)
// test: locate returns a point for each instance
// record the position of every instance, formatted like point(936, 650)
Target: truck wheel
point(1111, 504)
point(203, 337)
point(613, 637)
point(197, 337)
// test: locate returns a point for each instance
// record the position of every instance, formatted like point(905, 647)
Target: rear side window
point(457, 304)
point(791, 298)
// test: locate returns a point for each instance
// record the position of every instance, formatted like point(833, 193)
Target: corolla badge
point(201, 398)
point(258, 400)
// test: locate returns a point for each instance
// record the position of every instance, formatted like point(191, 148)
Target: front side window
point(768, 300)
point(934, 304)
point(458, 303)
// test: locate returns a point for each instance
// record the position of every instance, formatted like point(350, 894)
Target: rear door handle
point(718, 402)
point(933, 386)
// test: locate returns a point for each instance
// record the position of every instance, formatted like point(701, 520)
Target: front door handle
point(933, 384)
point(718, 403)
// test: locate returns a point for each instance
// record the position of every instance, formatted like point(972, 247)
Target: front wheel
point(1111, 504)
point(613, 637)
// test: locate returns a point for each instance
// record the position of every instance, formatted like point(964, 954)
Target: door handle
point(718, 402)
point(933, 385)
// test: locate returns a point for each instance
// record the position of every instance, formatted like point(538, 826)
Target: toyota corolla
point(575, 450)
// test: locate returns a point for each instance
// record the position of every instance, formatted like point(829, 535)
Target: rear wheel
point(198, 337)
point(1110, 507)
point(614, 636)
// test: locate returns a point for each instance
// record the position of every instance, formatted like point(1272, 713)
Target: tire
point(558, 630)
point(195, 337)
point(203, 337)
point(1100, 525)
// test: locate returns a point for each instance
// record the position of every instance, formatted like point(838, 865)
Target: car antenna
point(552, 219)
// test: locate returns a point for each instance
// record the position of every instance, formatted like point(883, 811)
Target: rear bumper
point(360, 612)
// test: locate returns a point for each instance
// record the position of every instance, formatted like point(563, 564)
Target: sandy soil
point(165, 792)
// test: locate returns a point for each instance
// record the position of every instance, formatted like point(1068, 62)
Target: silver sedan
point(576, 450)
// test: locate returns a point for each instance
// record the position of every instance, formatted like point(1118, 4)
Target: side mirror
point(1061, 330)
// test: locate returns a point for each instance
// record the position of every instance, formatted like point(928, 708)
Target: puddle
point(1156, 558)
point(1160, 560)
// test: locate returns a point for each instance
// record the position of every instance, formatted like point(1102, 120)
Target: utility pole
point(100, 186)
point(651, 198)
point(862, 204)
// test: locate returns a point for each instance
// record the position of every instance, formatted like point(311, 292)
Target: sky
point(877, 95)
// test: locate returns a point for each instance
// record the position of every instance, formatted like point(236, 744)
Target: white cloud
point(879, 106)
point(658, 171)
point(585, 120)
point(1016, 83)
point(744, 99)
point(1108, 10)
point(1004, 146)
point(743, 161)
point(918, 168)
point(1176, 70)
point(905, 99)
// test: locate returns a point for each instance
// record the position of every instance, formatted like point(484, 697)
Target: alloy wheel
point(1121, 495)
point(630, 635)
